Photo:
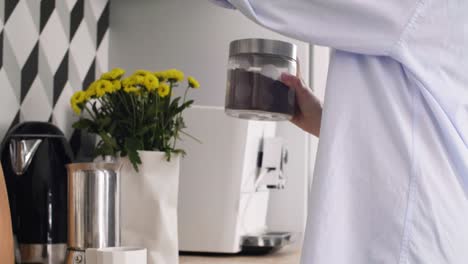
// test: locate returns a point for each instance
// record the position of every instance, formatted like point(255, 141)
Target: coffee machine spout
point(21, 152)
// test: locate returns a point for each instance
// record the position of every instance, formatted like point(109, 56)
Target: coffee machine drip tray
point(265, 243)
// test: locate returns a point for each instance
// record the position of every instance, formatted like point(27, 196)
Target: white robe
point(391, 177)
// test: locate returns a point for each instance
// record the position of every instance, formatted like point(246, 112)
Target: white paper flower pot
point(149, 206)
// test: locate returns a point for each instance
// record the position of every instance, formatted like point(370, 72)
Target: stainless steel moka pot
point(94, 208)
point(33, 156)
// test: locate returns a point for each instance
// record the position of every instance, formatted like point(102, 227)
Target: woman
point(391, 177)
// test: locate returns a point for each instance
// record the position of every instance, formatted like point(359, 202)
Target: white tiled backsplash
point(48, 50)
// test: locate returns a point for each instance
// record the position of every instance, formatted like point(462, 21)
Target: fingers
point(292, 81)
point(299, 75)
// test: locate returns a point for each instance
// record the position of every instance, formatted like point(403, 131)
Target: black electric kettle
point(33, 156)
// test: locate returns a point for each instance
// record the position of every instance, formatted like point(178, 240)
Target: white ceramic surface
point(116, 255)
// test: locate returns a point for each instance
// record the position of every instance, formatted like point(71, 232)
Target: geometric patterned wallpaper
point(48, 50)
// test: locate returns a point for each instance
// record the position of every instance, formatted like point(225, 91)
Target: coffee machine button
point(78, 259)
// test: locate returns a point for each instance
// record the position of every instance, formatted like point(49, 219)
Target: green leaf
point(83, 123)
point(133, 145)
point(192, 137)
point(104, 150)
point(184, 106)
point(105, 121)
point(108, 140)
point(95, 109)
point(146, 129)
point(175, 102)
point(179, 152)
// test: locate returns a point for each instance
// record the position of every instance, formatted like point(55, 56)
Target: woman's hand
point(308, 114)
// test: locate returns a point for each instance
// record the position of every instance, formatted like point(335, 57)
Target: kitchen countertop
point(287, 255)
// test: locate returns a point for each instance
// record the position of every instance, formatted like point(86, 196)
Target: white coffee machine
point(225, 183)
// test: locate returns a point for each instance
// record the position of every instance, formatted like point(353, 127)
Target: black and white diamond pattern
point(48, 50)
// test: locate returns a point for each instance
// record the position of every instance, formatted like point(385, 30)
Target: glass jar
point(254, 90)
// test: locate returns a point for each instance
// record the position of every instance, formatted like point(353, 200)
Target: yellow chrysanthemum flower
point(100, 92)
point(193, 82)
point(79, 97)
point(106, 76)
point(77, 100)
point(131, 89)
point(133, 80)
point(151, 82)
point(162, 76)
point(91, 86)
point(91, 92)
point(126, 82)
point(164, 90)
point(142, 73)
point(117, 85)
point(76, 109)
point(137, 80)
point(116, 73)
point(174, 75)
point(103, 87)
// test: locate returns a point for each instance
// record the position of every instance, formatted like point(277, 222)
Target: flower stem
point(178, 117)
point(124, 102)
point(90, 112)
point(134, 113)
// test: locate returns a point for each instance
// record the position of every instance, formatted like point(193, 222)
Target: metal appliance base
point(75, 257)
point(265, 243)
point(42, 253)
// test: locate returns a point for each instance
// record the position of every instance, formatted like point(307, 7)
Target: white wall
point(191, 35)
point(194, 36)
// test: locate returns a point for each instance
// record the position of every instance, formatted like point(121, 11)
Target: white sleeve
point(223, 3)
point(361, 26)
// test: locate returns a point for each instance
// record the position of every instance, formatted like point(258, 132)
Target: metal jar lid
point(263, 46)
